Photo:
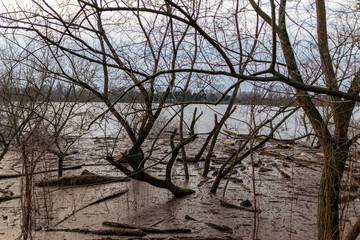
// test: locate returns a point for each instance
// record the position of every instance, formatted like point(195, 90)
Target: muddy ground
point(285, 191)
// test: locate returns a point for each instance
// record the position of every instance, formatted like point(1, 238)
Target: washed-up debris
point(229, 143)
point(201, 183)
point(264, 169)
point(7, 198)
point(304, 157)
point(187, 217)
point(7, 195)
point(246, 203)
point(280, 146)
point(275, 154)
point(283, 174)
point(241, 182)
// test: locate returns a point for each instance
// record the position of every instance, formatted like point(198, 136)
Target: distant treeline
point(62, 92)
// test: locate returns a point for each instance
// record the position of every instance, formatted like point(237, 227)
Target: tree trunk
point(328, 223)
point(135, 159)
point(61, 157)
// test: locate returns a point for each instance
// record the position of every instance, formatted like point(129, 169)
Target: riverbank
point(284, 182)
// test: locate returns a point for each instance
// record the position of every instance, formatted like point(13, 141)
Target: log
point(84, 179)
point(105, 232)
point(146, 229)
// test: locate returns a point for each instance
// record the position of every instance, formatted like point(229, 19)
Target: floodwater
point(242, 121)
point(288, 205)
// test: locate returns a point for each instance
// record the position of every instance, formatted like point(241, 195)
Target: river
point(241, 121)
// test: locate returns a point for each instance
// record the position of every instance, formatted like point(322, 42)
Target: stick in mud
point(230, 205)
point(221, 228)
point(93, 203)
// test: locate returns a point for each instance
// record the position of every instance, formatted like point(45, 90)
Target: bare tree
point(154, 51)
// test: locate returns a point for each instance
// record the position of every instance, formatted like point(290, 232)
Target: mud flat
point(285, 185)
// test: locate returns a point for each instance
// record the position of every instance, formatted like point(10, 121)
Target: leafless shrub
point(33, 149)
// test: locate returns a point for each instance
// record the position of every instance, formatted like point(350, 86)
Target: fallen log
point(93, 203)
point(84, 179)
point(147, 229)
point(230, 205)
point(105, 232)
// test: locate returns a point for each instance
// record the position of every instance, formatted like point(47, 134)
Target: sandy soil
point(288, 205)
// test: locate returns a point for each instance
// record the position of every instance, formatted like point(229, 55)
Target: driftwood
point(7, 195)
point(84, 179)
point(146, 229)
point(230, 205)
point(115, 232)
point(221, 228)
point(3, 176)
point(300, 162)
point(275, 154)
point(283, 174)
point(240, 182)
point(93, 203)
point(286, 141)
point(7, 198)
